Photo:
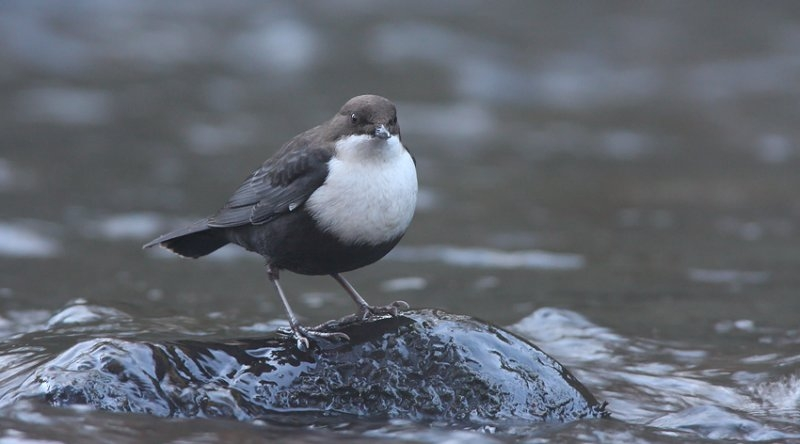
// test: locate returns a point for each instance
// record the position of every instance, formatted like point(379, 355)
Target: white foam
point(735, 277)
point(284, 46)
point(405, 283)
point(18, 241)
point(488, 258)
point(70, 106)
point(130, 226)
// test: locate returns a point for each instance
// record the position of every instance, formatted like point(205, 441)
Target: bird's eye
point(393, 121)
point(354, 118)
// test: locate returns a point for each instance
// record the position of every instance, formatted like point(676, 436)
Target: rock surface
point(424, 365)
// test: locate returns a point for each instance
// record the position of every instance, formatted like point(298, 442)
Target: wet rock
point(424, 365)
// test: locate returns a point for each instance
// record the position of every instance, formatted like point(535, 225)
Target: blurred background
point(633, 163)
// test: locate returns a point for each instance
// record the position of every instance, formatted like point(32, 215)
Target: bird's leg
point(364, 309)
point(300, 333)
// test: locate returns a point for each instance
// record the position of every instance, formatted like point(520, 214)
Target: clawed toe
point(393, 309)
point(400, 305)
point(302, 342)
point(303, 334)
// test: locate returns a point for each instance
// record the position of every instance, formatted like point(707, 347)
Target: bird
point(332, 199)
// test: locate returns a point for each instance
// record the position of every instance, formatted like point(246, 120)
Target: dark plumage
point(355, 163)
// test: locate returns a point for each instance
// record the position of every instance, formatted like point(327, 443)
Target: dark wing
point(281, 185)
point(413, 159)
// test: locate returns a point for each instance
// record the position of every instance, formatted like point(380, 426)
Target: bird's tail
point(195, 240)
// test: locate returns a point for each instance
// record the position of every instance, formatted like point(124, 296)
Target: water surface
point(615, 181)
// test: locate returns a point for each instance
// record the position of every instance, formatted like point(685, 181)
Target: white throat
point(370, 193)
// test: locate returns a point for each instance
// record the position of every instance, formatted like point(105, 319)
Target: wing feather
point(282, 184)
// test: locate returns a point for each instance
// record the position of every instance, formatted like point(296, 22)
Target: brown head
point(369, 115)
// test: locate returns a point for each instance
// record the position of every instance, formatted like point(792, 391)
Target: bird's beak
point(381, 132)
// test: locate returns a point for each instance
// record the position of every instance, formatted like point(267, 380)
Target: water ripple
point(18, 241)
point(488, 258)
point(669, 386)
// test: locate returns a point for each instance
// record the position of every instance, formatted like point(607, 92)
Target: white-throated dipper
point(334, 198)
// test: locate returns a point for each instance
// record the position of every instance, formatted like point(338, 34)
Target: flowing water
point(616, 181)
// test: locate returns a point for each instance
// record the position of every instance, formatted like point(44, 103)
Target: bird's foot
point(365, 312)
point(393, 309)
point(369, 311)
point(303, 334)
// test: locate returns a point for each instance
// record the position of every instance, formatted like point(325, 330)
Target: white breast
point(370, 193)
